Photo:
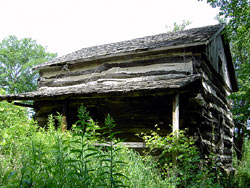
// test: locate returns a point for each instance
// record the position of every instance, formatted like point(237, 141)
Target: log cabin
point(179, 78)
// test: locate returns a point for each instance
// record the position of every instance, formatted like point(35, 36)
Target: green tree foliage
point(179, 27)
point(17, 57)
point(182, 26)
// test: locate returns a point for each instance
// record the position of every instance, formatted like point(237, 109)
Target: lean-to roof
point(107, 86)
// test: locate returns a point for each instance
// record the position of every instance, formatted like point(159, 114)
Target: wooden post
point(175, 121)
point(64, 116)
point(175, 114)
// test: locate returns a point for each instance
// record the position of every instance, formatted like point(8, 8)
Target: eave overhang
point(108, 87)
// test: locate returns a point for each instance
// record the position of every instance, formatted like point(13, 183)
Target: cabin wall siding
point(135, 68)
point(216, 130)
point(215, 53)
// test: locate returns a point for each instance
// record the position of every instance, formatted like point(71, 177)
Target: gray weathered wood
point(176, 107)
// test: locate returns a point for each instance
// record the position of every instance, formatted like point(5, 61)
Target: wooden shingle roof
point(185, 38)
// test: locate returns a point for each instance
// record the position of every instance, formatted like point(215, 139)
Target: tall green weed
point(179, 160)
point(48, 157)
point(241, 178)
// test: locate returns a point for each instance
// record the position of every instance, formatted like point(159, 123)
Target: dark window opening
point(220, 68)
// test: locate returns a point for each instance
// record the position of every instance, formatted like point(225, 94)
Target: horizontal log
point(99, 68)
point(226, 158)
point(228, 143)
point(212, 89)
point(210, 98)
point(120, 72)
point(216, 103)
point(62, 83)
point(227, 151)
point(228, 131)
point(24, 105)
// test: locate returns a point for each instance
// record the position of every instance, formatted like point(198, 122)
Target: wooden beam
point(24, 105)
point(175, 114)
point(176, 126)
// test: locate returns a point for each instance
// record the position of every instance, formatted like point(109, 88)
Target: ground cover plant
point(31, 156)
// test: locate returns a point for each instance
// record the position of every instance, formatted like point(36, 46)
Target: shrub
point(179, 160)
point(10, 114)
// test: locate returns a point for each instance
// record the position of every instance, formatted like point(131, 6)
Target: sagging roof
point(106, 86)
point(185, 38)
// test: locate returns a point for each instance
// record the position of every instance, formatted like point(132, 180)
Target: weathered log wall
point(216, 128)
point(169, 66)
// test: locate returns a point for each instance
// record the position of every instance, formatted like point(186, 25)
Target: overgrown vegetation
point(180, 162)
point(242, 174)
point(31, 156)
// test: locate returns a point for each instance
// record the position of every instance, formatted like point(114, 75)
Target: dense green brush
point(31, 156)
